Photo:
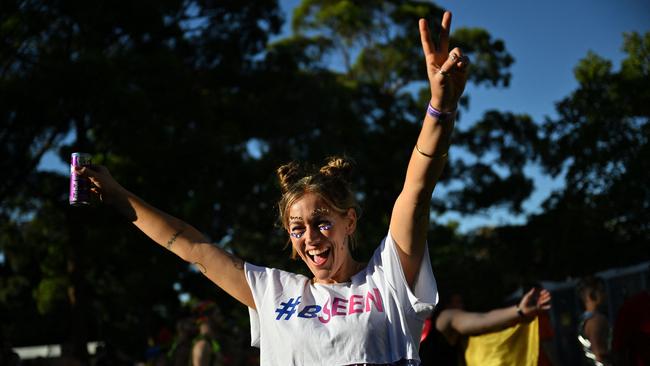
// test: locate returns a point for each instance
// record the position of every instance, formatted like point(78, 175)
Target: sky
point(547, 39)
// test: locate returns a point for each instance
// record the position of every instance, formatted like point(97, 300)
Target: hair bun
point(338, 167)
point(288, 174)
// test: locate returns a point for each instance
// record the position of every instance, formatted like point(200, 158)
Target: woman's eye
point(297, 234)
point(325, 226)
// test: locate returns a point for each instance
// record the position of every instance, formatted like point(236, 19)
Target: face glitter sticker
point(325, 226)
point(298, 232)
point(321, 211)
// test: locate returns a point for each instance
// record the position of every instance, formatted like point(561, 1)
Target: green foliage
point(504, 144)
point(592, 69)
point(599, 144)
point(602, 127)
point(133, 83)
point(638, 48)
point(50, 291)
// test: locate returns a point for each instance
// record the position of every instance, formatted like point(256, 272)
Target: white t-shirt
point(373, 319)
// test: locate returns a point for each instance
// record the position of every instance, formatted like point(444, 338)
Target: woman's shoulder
point(596, 322)
point(599, 318)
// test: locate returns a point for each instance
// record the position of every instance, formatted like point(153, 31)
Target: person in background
point(548, 352)
point(631, 339)
point(548, 355)
point(179, 353)
point(594, 330)
point(435, 348)
point(446, 344)
point(206, 349)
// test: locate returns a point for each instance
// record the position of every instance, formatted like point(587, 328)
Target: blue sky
point(547, 39)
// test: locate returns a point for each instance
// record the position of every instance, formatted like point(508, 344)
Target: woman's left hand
point(447, 71)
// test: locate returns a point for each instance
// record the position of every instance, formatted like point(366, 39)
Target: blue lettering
point(310, 311)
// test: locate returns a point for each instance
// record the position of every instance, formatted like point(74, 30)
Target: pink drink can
point(80, 194)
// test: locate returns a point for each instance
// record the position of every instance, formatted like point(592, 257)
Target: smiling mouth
point(319, 257)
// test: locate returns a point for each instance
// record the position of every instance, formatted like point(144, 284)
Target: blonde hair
point(330, 182)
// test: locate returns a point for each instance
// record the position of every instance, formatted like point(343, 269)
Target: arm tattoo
point(173, 239)
point(201, 267)
point(236, 262)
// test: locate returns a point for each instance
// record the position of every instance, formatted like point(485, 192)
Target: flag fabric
point(515, 345)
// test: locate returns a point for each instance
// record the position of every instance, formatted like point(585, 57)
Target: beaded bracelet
point(436, 113)
point(439, 115)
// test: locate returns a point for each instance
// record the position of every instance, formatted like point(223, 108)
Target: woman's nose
point(312, 235)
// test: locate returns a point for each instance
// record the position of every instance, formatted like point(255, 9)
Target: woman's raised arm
point(447, 73)
point(222, 268)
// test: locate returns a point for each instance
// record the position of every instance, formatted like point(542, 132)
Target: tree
point(121, 78)
point(599, 143)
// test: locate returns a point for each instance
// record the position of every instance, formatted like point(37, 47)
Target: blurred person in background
point(180, 351)
point(631, 338)
point(594, 330)
point(450, 328)
point(206, 349)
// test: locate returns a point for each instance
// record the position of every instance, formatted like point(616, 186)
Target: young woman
point(348, 312)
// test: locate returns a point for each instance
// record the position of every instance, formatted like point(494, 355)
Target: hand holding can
point(103, 187)
point(80, 187)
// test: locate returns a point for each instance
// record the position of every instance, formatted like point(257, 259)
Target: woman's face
point(320, 237)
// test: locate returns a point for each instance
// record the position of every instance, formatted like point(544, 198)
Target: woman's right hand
point(104, 185)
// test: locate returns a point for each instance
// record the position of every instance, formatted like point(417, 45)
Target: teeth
point(316, 251)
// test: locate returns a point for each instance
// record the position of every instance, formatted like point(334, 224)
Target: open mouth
point(319, 256)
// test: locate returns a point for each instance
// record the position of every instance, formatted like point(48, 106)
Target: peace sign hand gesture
point(447, 71)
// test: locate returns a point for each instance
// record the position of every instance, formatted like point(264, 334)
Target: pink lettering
point(326, 311)
point(354, 303)
point(376, 299)
point(337, 307)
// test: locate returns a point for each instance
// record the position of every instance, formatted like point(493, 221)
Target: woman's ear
point(351, 218)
